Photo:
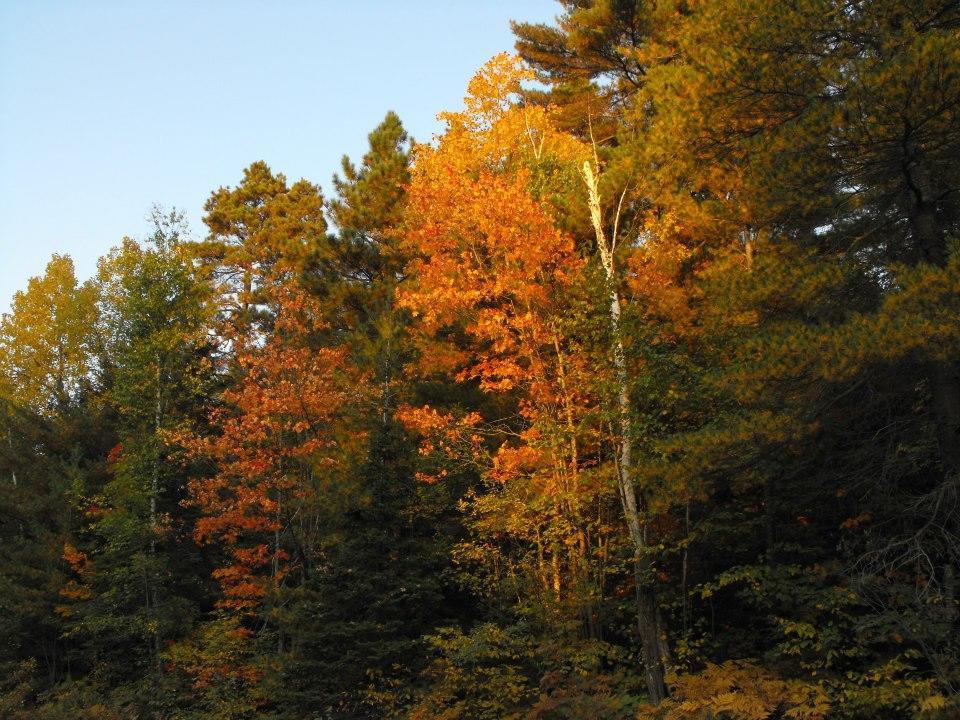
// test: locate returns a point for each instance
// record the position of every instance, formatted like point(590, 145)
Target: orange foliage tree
point(273, 444)
point(494, 284)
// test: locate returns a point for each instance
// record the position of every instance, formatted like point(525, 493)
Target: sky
point(109, 107)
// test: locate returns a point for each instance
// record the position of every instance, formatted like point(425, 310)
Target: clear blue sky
point(109, 107)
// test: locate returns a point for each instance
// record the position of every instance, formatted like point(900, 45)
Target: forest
point(635, 393)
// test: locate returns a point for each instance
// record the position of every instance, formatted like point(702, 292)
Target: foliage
point(740, 691)
point(634, 394)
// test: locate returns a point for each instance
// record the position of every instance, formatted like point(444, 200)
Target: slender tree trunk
point(385, 400)
point(155, 476)
point(555, 568)
point(651, 642)
point(541, 561)
point(13, 473)
point(154, 489)
point(275, 568)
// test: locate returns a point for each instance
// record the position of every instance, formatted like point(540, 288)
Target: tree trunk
point(651, 643)
point(154, 490)
point(155, 475)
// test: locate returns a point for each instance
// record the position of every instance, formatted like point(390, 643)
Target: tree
point(591, 60)
point(376, 587)
point(274, 441)
point(771, 157)
point(46, 341)
point(502, 297)
point(49, 438)
point(642, 376)
point(261, 233)
point(366, 261)
point(134, 586)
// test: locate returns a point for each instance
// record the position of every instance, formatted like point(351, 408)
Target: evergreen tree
point(261, 234)
point(377, 589)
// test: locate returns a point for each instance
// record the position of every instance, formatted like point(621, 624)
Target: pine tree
point(376, 588)
point(262, 233)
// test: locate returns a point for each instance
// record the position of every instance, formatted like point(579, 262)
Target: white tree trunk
point(652, 645)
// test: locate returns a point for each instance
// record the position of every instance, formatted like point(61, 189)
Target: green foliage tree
point(261, 233)
point(359, 616)
point(137, 577)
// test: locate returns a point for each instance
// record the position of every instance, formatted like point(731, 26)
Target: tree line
point(635, 394)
